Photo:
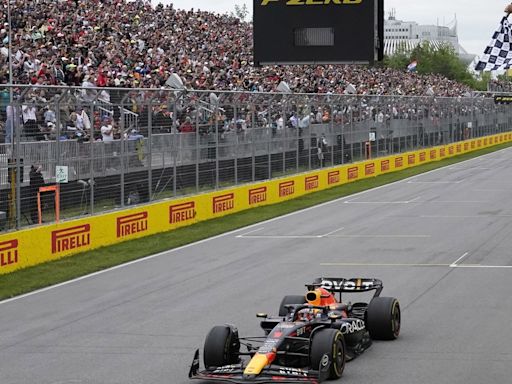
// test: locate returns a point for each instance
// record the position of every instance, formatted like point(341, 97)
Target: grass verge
point(55, 272)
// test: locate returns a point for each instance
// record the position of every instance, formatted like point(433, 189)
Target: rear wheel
point(328, 342)
point(289, 300)
point(221, 347)
point(383, 318)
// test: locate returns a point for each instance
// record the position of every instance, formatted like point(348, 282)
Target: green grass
point(44, 275)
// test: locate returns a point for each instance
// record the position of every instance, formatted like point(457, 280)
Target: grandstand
point(130, 44)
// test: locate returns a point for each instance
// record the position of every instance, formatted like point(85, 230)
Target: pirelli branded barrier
point(46, 243)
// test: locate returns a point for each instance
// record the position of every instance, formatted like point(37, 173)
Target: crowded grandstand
point(115, 43)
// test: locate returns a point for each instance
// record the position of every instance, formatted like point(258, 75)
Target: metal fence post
point(91, 143)
point(122, 182)
point(149, 156)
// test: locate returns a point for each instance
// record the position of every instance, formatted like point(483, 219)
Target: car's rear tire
point(383, 318)
point(328, 342)
point(289, 300)
point(221, 347)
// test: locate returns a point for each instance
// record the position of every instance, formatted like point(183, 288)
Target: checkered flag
point(498, 55)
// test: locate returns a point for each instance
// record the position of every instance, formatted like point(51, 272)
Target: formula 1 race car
point(309, 342)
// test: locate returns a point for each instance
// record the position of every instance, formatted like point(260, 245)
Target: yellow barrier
point(34, 246)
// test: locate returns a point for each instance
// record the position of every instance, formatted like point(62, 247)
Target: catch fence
point(168, 143)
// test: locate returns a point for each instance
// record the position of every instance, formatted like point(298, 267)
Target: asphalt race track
point(441, 242)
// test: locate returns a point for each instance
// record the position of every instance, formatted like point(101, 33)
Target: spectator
point(36, 181)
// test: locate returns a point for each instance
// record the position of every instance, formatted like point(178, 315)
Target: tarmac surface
point(441, 242)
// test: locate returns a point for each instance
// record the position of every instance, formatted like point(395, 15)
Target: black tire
point(328, 342)
point(221, 347)
point(383, 318)
point(288, 300)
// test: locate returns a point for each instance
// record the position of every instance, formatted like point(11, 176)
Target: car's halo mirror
point(334, 316)
point(261, 315)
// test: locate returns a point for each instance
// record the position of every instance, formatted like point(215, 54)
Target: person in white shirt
point(107, 130)
point(28, 113)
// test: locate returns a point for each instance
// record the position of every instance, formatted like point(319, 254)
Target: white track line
point(383, 202)
point(456, 262)
point(382, 265)
point(381, 236)
point(240, 229)
point(277, 237)
point(333, 232)
point(248, 233)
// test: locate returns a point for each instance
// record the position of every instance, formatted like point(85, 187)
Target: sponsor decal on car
point(285, 371)
point(352, 327)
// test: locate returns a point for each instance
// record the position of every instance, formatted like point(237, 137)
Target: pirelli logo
point(473, 145)
point(71, 238)
point(287, 188)
point(385, 165)
point(257, 195)
point(485, 141)
point(459, 148)
point(132, 224)
point(466, 146)
point(181, 213)
point(8, 253)
point(311, 2)
point(433, 154)
point(223, 203)
point(496, 140)
point(479, 143)
point(423, 156)
point(442, 152)
point(333, 177)
point(399, 162)
point(411, 160)
point(451, 150)
point(369, 169)
point(353, 173)
point(312, 182)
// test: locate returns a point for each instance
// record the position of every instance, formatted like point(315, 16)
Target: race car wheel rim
point(396, 319)
point(338, 357)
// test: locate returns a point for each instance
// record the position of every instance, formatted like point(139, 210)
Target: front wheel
point(328, 342)
point(383, 318)
point(221, 347)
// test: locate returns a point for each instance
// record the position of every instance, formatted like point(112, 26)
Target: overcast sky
point(477, 20)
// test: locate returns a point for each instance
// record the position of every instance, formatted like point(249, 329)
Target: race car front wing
point(271, 374)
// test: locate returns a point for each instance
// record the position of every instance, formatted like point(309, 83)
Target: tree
point(441, 60)
point(240, 11)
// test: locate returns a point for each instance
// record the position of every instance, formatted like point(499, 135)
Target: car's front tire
point(328, 342)
point(221, 346)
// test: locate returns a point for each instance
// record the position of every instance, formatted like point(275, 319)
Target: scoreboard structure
point(294, 32)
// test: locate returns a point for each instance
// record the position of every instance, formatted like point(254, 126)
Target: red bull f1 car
point(308, 342)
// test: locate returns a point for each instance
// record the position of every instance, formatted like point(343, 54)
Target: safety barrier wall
point(34, 246)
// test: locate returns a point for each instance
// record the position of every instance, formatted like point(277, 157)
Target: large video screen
point(288, 32)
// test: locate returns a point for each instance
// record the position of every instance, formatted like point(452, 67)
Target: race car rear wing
point(337, 284)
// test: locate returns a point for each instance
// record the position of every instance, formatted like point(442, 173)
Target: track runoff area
point(439, 241)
